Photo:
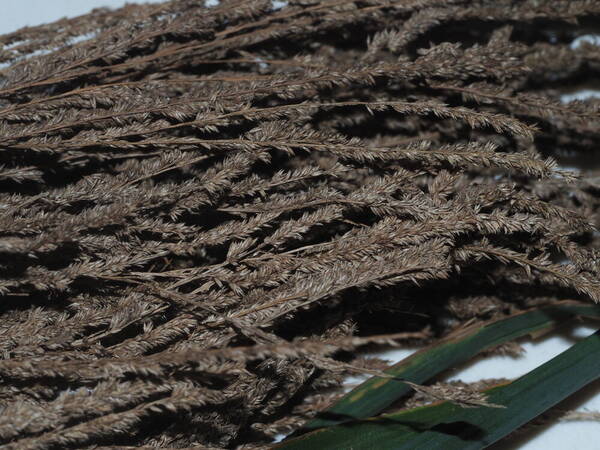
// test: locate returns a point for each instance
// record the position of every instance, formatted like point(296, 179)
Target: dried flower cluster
point(206, 210)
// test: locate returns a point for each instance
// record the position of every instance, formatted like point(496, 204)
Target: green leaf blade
point(449, 426)
point(376, 394)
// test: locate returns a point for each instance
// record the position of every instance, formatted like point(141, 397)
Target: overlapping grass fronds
point(206, 210)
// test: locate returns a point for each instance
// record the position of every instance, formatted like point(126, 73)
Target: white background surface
point(561, 436)
point(15, 14)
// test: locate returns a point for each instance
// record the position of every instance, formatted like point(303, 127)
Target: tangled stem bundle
point(206, 210)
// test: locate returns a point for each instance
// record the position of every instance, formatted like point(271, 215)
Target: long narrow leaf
point(376, 394)
point(448, 426)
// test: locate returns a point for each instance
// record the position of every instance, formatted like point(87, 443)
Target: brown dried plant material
point(206, 211)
